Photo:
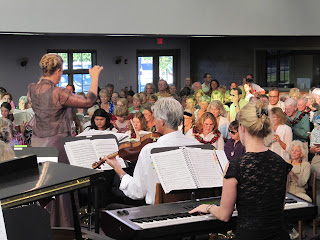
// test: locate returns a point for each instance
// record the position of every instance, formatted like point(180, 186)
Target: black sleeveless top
point(261, 191)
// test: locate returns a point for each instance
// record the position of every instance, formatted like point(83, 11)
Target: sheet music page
point(22, 115)
point(93, 132)
point(3, 232)
point(222, 159)
point(206, 167)
point(173, 171)
point(104, 147)
point(81, 153)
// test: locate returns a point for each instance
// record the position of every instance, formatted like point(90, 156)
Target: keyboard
point(170, 219)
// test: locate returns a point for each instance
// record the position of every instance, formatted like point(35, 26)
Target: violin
point(130, 151)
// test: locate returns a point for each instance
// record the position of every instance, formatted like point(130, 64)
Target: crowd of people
point(211, 111)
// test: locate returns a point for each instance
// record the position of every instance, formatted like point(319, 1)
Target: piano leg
point(76, 223)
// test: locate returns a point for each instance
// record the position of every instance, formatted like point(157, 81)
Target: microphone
point(187, 114)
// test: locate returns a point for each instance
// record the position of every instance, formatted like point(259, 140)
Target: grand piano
point(23, 181)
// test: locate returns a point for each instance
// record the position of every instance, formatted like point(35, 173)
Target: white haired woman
point(301, 170)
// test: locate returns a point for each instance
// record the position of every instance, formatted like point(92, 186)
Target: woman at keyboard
point(255, 182)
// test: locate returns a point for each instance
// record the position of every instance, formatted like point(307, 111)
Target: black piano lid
point(49, 174)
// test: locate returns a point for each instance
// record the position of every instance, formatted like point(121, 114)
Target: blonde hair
point(254, 117)
point(104, 92)
point(6, 151)
point(50, 63)
point(218, 105)
point(280, 114)
point(205, 116)
point(124, 101)
point(293, 91)
point(122, 112)
point(5, 132)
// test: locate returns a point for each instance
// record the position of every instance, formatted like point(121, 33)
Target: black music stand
point(108, 177)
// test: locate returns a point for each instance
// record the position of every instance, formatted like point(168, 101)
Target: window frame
point(70, 72)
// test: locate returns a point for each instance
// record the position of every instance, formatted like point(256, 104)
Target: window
point(278, 68)
point(76, 66)
point(154, 65)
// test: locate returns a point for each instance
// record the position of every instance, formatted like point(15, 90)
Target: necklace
point(200, 139)
point(294, 122)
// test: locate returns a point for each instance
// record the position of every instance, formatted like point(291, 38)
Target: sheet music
point(222, 159)
point(93, 132)
point(173, 171)
point(207, 169)
point(3, 232)
point(22, 115)
point(104, 147)
point(81, 153)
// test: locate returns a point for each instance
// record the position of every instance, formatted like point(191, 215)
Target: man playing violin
point(168, 115)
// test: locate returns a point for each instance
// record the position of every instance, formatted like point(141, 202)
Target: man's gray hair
point(169, 110)
point(316, 91)
point(304, 99)
point(290, 102)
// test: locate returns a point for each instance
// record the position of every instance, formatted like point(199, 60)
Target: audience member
point(105, 97)
point(218, 111)
point(6, 152)
point(299, 121)
point(237, 103)
point(188, 83)
point(206, 131)
point(281, 135)
point(143, 97)
point(233, 147)
point(163, 89)
point(148, 115)
point(204, 102)
point(300, 173)
point(206, 86)
point(153, 98)
point(23, 102)
point(110, 88)
point(122, 122)
point(149, 89)
point(274, 100)
point(294, 93)
point(188, 122)
point(173, 89)
point(136, 107)
point(256, 88)
point(71, 88)
point(195, 87)
point(130, 95)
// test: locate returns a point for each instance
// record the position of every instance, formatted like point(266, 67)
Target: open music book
point(22, 115)
point(84, 152)
point(189, 168)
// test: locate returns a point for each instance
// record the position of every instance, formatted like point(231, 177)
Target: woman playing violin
point(138, 127)
point(148, 115)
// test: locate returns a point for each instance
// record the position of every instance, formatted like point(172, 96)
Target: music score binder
point(84, 151)
point(189, 167)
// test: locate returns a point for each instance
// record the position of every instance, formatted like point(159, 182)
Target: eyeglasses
point(232, 132)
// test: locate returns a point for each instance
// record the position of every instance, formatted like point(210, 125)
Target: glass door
point(154, 65)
